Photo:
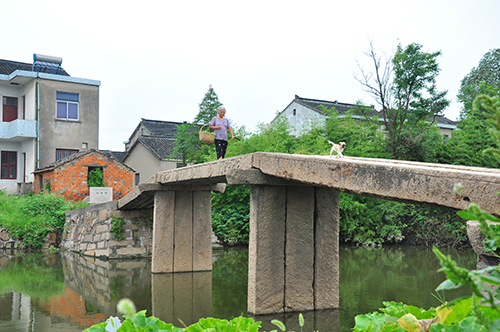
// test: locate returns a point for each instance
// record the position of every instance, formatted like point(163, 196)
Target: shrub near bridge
point(31, 217)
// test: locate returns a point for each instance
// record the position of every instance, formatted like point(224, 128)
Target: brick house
point(68, 176)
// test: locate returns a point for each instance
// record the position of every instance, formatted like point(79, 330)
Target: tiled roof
point(73, 157)
point(160, 128)
point(161, 147)
point(315, 104)
point(7, 67)
point(118, 155)
point(443, 120)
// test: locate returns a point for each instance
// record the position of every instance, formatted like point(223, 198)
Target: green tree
point(468, 143)
point(188, 146)
point(405, 87)
point(483, 79)
point(207, 107)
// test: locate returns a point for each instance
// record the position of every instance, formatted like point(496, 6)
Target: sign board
point(100, 195)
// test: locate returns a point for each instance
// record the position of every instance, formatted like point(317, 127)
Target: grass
point(30, 217)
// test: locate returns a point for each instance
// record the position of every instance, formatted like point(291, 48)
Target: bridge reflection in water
point(181, 298)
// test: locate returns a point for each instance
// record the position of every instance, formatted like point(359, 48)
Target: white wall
point(303, 118)
point(27, 147)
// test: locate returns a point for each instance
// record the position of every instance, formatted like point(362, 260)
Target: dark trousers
point(220, 147)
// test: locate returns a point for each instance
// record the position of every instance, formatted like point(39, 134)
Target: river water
point(67, 292)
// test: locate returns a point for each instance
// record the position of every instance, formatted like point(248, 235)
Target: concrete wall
point(147, 164)
point(67, 134)
point(88, 231)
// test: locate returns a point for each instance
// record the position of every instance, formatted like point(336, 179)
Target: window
point(67, 106)
point(9, 165)
point(9, 109)
point(95, 177)
point(61, 153)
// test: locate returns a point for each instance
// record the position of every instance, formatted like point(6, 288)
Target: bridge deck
point(412, 182)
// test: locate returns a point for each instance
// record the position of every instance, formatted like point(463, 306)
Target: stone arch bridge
point(294, 224)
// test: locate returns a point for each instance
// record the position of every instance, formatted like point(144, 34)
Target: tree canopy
point(483, 79)
point(207, 107)
point(405, 87)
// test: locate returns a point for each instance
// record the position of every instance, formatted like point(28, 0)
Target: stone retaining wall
point(88, 231)
point(52, 239)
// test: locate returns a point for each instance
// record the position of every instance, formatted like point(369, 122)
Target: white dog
point(337, 148)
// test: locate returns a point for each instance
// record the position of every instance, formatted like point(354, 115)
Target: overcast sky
point(156, 59)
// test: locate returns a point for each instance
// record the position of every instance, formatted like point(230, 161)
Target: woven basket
point(206, 137)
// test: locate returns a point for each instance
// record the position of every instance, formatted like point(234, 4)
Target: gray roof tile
point(7, 67)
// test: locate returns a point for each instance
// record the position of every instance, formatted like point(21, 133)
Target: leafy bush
point(139, 322)
point(231, 215)
point(117, 227)
point(96, 178)
point(31, 217)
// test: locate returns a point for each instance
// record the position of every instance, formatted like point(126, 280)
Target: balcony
point(18, 130)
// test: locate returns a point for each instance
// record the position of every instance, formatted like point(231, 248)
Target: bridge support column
point(182, 231)
point(293, 250)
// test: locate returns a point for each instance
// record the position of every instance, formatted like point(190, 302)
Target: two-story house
point(45, 115)
point(150, 147)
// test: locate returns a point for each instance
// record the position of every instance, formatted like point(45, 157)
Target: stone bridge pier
point(293, 250)
point(182, 228)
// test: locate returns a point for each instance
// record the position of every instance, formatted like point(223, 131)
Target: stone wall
point(52, 239)
point(88, 231)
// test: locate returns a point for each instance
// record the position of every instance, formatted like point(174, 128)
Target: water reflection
point(182, 298)
point(69, 292)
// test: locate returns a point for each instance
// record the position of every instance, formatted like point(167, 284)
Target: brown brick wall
point(70, 179)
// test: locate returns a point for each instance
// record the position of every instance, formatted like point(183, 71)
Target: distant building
point(150, 147)
point(69, 176)
point(302, 113)
point(45, 115)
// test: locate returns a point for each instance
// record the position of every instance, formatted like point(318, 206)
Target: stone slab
point(326, 266)
point(202, 231)
point(163, 232)
point(299, 275)
point(266, 262)
point(412, 182)
point(183, 231)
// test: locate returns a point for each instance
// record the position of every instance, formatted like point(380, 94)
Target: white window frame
point(68, 102)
